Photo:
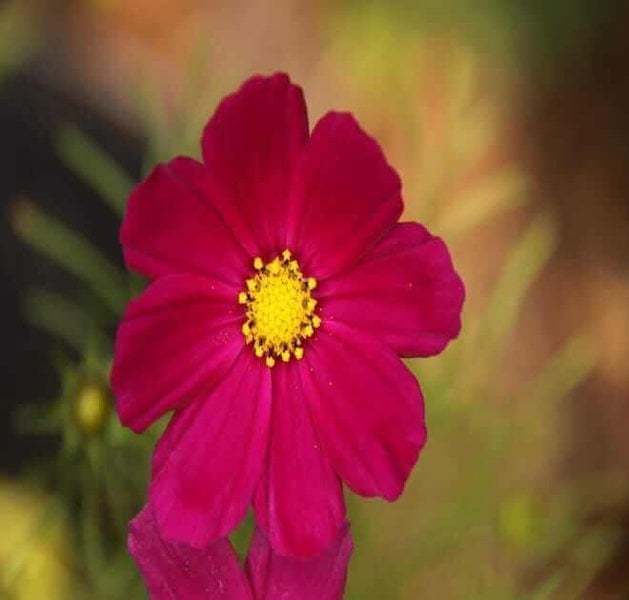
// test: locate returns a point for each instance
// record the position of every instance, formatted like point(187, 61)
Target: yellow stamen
point(274, 267)
point(280, 310)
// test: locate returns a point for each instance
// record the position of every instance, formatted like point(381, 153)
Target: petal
point(177, 571)
point(405, 292)
point(299, 501)
point(171, 227)
point(275, 577)
point(367, 406)
point(345, 196)
point(179, 336)
point(209, 460)
point(250, 146)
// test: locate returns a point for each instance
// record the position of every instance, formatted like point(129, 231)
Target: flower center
point(280, 309)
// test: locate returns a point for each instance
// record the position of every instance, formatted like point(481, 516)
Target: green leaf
point(38, 419)
point(63, 319)
point(154, 122)
point(19, 37)
point(73, 252)
point(566, 369)
point(94, 166)
point(479, 349)
point(526, 262)
point(547, 589)
point(501, 192)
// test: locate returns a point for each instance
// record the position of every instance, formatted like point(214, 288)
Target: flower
point(175, 570)
point(284, 294)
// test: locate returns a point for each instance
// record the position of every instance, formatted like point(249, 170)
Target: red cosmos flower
point(284, 294)
point(181, 572)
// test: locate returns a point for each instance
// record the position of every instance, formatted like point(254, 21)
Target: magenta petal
point(405, 292)
point(368, 408)
point(300, 501)
point(250, 146)
point(275, 577)
point(345, 196)
point(180, 572)
point(179, 336)
point(209, 460)
point(171, 226)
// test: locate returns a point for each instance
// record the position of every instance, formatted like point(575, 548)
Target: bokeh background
point(508, 122)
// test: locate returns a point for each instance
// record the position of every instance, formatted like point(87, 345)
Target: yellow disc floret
point(280, 309)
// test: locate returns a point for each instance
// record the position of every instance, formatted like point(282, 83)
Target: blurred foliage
point(20, 22)
point(94, 167)
point(72, 251)
point(533, 30)
point(35, 554)
point(483, 515)
point(99, 472)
